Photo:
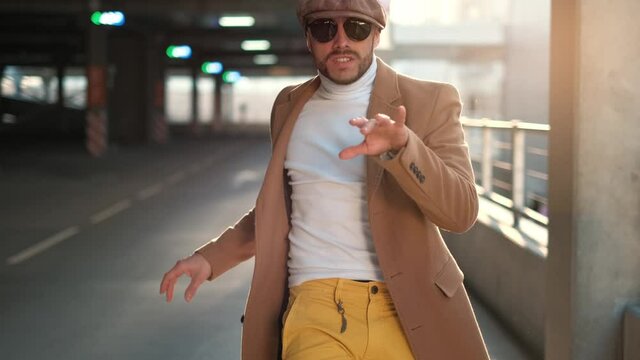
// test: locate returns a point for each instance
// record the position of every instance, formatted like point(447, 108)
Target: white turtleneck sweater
point(330, 234)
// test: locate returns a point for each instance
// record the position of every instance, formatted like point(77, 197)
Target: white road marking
point(43, 245)
point(245, 176)
point(149, 191)
point(119, 207)
point(110, 211)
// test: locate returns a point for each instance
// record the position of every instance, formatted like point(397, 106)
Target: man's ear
point(308, 40)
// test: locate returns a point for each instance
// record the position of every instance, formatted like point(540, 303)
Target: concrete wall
point(571, 305)
point(607, 201)
point(506, 277)
point(594, 225)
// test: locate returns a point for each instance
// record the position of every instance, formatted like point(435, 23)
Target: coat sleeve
point(233, 246)
point(434, 168)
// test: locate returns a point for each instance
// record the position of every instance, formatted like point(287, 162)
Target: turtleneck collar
point(361, 87)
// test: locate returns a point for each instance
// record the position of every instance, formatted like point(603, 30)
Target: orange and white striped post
point(96, 132)
point(96, 125)
point(159, 129)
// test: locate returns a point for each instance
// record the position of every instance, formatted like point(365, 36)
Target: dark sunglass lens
point(357, 29)
point(323, 30)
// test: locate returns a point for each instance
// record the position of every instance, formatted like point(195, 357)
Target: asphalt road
point(84, 244)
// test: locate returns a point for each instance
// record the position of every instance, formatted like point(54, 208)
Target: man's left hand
point(380, 134)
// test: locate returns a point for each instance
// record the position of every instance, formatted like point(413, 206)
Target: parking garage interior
point(133, 131)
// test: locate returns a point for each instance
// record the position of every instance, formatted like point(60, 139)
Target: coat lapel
point(284, 118)
point(297, 99)
point(385, 98)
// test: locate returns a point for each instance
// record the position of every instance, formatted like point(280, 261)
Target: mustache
point(342, 52)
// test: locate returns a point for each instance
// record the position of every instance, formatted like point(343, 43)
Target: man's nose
point(341, 39)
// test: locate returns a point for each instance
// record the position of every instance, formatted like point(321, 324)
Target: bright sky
point(443, 12)
point(408, 12)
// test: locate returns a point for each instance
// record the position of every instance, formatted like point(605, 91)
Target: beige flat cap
point(370, 10)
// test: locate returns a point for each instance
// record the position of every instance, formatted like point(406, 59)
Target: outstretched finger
point(165, 282)
point(170, 287)
point(359, 121)
point(167, 287)
point(190, 293)
point(169, 280)
point(353, 151)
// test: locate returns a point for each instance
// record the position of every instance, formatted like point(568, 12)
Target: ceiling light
point(212, 67)
point(265, 59)
point(230, 77)
point(179, 51)
point(111, 18)
point(236, 21)
point(255, 45)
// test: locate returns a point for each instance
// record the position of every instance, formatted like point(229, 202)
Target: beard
point(363, 66)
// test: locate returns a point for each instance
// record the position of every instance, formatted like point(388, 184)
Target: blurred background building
point(495, 51)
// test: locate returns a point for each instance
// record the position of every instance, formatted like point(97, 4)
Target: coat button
point(242, 319)
point(374, 289)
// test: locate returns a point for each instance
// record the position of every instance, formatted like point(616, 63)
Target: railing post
point(487, 159)
point(517, 171)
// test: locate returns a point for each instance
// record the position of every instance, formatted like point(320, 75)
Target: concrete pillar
point(17, 80)
point(216, 124)
point(61, 94)
point(128, 105)
point(195, 124)
point(2, 67)
point(97, 120)
point(593, 267)
point(227, 99)
point(157, 129)
point(137, 104)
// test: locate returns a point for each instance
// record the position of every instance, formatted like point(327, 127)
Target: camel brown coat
point(427, 186)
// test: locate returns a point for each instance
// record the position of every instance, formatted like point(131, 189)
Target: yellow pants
point(342, 319)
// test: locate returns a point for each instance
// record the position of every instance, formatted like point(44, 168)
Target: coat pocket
point(449, 278)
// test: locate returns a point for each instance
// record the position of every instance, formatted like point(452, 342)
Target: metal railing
point(517, 166)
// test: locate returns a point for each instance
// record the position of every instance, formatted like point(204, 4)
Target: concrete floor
point(500, 343)
point(84, 244)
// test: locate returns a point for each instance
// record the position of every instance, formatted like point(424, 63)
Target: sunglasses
point(324, 30)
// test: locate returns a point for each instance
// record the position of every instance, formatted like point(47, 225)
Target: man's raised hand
point(195, 266)
point(381, 134)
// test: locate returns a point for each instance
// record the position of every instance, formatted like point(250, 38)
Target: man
point(367, 165)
